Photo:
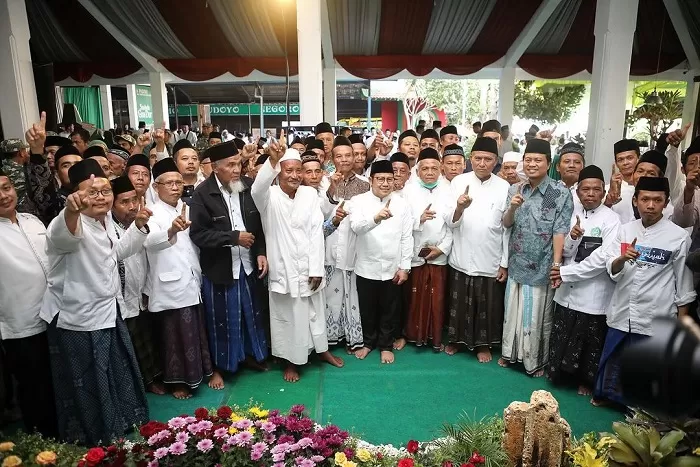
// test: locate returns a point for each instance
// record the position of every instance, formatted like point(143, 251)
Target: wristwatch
point(556, 265)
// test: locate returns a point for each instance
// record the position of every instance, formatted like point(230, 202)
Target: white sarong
point(343, 320)
point(297, 326)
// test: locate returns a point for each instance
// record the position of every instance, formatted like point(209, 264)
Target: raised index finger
point(183, 212)
point(42, 121)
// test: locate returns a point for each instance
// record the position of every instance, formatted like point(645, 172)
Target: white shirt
point(239, 254)
point(342, 243)
point(84, 286)
point(657, 283)
point(174, 273)
point(23, 270)
point(135, 269)
point(480, 242)
point(293, 233)
point(624, 207)
point(586, 285)
point(434, 232)
point(384, 248)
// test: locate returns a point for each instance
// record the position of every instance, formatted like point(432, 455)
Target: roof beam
point(326, 43)
point(530, 31)
point(148, 62)
point(681, 26)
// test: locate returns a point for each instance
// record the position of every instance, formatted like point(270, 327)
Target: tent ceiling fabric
point(371, 39)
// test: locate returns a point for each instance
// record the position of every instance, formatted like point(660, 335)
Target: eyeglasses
point(174, 184)
point(94, 193)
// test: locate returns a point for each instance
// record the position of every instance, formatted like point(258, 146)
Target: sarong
point(527, 324)
point(343, 321)
point(427, 305)
point(297, 326)
point(608, 385)
point(140, 330)
point(379, 308)
point(97, 383)
point(575, 346)
point(476, 306)
point(185, 348)
point(234, 322)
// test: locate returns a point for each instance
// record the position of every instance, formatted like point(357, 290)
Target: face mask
point(429, 186)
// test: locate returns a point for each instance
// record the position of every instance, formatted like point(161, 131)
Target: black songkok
point(55, 140)
point(449, 130)
point(296, 140)
point(381, 167)
point(164, 166)
point(491, 125)
point(315, 144)
point(341, 141)
point(309, 156)
point(221, 151)
point(694, 148)
point(538, 146)
point(94, 151)
point(139, 159)
point(652, 184)
point(83, 170)
point(182, 144)
point(407, 134)
point(239, 143)
point(656, 158)
point(121, 185)
point(356, 138)
point(261, 159)
point(428, 153)
point(214, 134)
point(67, 150)
point(430, 133)
point(572, 147)
point(484, 144)
point(323, 127)
point(399, 157)
point(626, 145)
point(453, 150)
point(591, 171)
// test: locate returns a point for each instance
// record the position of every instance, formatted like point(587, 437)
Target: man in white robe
point(293, 225)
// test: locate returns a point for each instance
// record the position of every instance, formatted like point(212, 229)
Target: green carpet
point(390, 404)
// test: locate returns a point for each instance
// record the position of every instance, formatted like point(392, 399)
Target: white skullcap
point(512, 156)
point(291, 154)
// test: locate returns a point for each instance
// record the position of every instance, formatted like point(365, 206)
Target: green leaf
point(668, 443)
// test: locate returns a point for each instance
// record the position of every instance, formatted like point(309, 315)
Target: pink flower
point(220, 433)
point(153, 463)
point(305, 443)
point(262, 447)
point(269, 438)
point(279, 457)
point(190, 419)
point(226, 447)
point(318, 458)
point(243, 424)
point(177, 422)
point(242, 438)
point(255, 455)
point(178, 448)
point(297, 409)
point(160, 453)
point(306, 463)
point(153, 440)
point(268, 427)
point(182, 437)
point(205, 445)
point(278, 464)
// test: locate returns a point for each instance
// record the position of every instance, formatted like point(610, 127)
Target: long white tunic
point(586, 285)
point(480, 242)
point(135, 269)
point(384, 248)
point(657, 283)
point(84, 286)
point(174, 276)
point(23, 269)
point(434, 232)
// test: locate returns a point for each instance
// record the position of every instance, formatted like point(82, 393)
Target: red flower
point(412, 446)
point(224, 412)
point(94, 456)
point(476, 458)
point(406, 462)
point(201, 413)
point(447, 464)
point(111, 450)
point(467, 465)
point(151, 428)
point(81, 463)
point(380, 456)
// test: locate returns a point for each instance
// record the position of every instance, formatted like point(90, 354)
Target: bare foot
point(156, 388)
point(584, 391)
point(538, 374)
point(451, 349)
point(216, 381)
point(483, 354)
point(349, 351)
point(362, 353)
point(503, 362)
point(599, 402)
point(387, 356)
point(399, 343)
point(332, 359)
point(181, 392)
point(291, 375)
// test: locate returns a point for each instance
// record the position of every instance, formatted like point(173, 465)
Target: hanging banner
point(236, 109)
point(144, 105)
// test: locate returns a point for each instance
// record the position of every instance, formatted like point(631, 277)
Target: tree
point(659, 117)
point(548, 105)
point(459, 99)
point(414, 102)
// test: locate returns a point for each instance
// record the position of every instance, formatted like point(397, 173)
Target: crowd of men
point(133, 267)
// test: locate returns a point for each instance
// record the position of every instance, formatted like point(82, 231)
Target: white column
point(691, 99)
point(106, 101)
point(159, 100)
point(133, 108)
point(615, 23)
point(330, 97)
point(310, 65)
point(506, 96)
point(18, 103)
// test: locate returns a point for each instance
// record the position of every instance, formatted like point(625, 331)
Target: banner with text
point(144, 106)
point(235, 109)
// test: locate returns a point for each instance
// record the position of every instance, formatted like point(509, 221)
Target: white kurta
point(23, 269)
point(434, 232)
point(84, 285)
point(657, 283)
point(174, 275)
point(295, 252)
point(480, 242)
point(135, 269)
point(586, 285)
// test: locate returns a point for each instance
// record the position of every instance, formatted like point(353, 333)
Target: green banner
point(235, 109)
point(144, 105)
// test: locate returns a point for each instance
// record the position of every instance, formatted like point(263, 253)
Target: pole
point(369, 106)
point(262, 117)
point(177, 125)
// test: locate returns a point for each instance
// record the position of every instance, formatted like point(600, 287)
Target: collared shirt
point(546, 212)
point(23, 270)
point(384, 248)
point(174, 275)
point(480, 242)
point(586, 286)
point(346, 189)
point(135, 269)
point(84, 285)
point(657, 283)
point(433, 232)
point(625, 210)
point(239, 254)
